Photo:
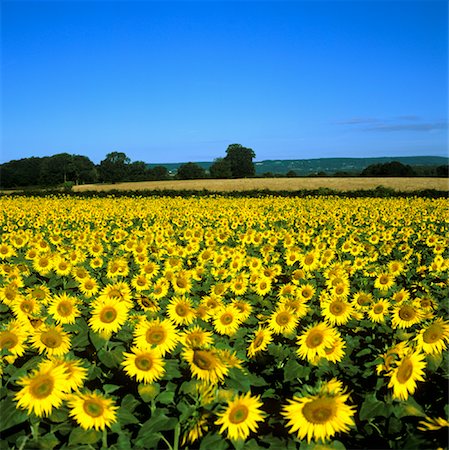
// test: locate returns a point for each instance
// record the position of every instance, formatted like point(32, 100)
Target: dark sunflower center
point(51, 339)
point(181, 283)
point(203, 359)
point(64, 308)
point(258, 340)
point(226, 318)
point(42, 386)
point(144, 362)
point(383, 279)
point(407, 313)
point(108, 314)
point(405, 371)
point(377, 309)
point(336, 308)
point(432, 334)
point(319, 411)
point(283, 318)
point(155, 335)
point(238, 414)
point(363, 300)
point(181, 310)
point(314, 339)
point(93, 408)
point(8, 340)
point(309, 259)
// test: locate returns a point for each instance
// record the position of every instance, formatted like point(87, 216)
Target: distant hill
point(329, 166)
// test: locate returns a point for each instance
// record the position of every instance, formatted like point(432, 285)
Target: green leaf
point(129, 402)
point(48, 442)
point(148, 392)
point(409, 408)
point(166, 397)
point(365, 351)
point(59, 415)
point(9, 415)
point(97, 340)
point(213, 440)
point(149, 434)
point(237, 380)
point(80, 436)
point(293, 371)
point(394, 425)
point(371, 407)
point(113, 358)
point(172, 370)
point(434, 362)
point(110, 388)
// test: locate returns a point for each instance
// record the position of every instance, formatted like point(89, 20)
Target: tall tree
point(114, 167)
point(190, 171)
point(221, 168)
point(56, 169)
point(241, 160)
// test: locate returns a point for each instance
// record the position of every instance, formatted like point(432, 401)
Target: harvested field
point(277, 184)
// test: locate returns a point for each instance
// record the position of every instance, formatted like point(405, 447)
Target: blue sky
point(180, 81)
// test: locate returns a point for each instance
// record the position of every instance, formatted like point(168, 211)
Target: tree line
point(64, 168)
point(67, 169)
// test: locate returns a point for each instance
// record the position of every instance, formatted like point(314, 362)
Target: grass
point(276, 184)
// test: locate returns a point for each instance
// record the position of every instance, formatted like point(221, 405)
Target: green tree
point(56, 169)
point(159, 173)
point(114, 167)
point(390, 169)
point(241, 160)
point(190, 171)
point(221, 168)
point(138, 171)
point(84, 170)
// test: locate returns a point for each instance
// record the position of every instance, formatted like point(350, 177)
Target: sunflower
point(379, 310)
point(160, 289)
point(61, 266)
point(384, 281)
point(409, 370)
point(243, 307)
point(283, 321)
point(336, 311)
point(319, 417)
point(361, 300)
point(400, 296)
point(108, 316)
point(227, 320)
point(197, 425)
point(181, 311)
point(76, 374)
point(63, 309)
point(92, 410)
point(145, 365)
point(433, 424)
point(24, 307)
point(158, 334)
point(433, 338)
point(88, 286)
point(51, 340)
point(262, 286)
point(196, 337)
point(405, 316)
point(260, 341)
point(335, 352)
point(119, 291)
point(140, 282)
point(241, 416)
point(6, 251)
point(306, 292)
point(239, 285)
point(13, 339)
point(206, 365)
point(43, 264)
point(314, 341)
point(150, 269)
point(310, 261)
point(43, 390)
point(182, 282)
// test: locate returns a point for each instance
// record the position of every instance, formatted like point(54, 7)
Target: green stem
point(177, 433)
point(168, 443)
point(104, 439)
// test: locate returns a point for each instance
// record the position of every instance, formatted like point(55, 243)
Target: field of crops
point(216, 323)
point(276, 184)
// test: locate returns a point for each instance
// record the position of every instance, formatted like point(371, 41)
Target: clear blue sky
point(180, 81)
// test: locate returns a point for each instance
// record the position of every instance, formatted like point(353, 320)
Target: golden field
point(206, 322)
point(276, 184)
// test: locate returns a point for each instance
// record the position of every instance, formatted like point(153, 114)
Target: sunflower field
point(220, 323)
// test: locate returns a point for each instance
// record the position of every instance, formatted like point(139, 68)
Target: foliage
point(389, 169)
point(114, 168)
point(190, 171)
point(221, 168)
point(241, 160)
